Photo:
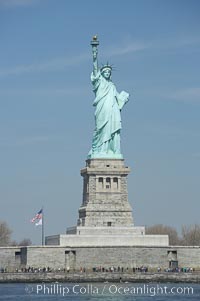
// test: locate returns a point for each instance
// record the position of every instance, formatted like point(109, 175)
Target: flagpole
point(42, 225)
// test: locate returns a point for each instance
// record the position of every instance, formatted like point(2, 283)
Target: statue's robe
point(108, 103)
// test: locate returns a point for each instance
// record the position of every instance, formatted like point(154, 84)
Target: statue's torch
point(94, 44)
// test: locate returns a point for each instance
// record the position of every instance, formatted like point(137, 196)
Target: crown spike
point(106, 66)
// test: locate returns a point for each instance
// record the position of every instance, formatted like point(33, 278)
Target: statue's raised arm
point(94, 44)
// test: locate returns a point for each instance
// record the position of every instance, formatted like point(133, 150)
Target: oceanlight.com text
point(128, 289)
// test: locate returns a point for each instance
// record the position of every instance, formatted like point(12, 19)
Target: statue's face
point(106, 73)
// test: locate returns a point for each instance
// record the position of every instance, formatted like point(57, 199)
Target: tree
point(13, 243)
point(191, 235)
point(5, 234)
point(165, 230)
point(25, 242)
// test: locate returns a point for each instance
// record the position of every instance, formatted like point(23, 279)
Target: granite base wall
point(189, 256)
point(10, 257)
point(58, 257)
point(121, 256)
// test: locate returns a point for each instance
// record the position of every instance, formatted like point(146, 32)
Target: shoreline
point(79, 277)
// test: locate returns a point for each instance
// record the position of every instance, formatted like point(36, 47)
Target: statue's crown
point(107, 66)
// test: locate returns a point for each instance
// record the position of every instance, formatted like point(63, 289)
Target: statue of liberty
point(108, 104)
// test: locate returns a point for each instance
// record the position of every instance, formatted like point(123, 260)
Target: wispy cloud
point(35, 139)
point(61, 91)
point(196, 155)
point(172, 131)
point(63, 62)
point(128, 48)
point(186, 95)
point(14, 3)
point(50, 65)
point(25, 141)
point(176, 42)
point(131, 46)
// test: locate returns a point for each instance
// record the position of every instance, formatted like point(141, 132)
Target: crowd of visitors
point(100, 269)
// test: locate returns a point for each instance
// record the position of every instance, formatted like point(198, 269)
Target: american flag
point(37, 217)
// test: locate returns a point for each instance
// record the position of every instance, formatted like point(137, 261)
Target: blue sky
point(46, 113)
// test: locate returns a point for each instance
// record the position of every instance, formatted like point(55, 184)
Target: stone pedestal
point(105, 195)
point(105, 215)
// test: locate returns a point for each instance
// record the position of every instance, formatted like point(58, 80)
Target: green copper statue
point(108, 104)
